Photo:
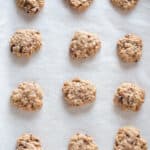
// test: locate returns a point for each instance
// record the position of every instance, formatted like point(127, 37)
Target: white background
point(51, 66)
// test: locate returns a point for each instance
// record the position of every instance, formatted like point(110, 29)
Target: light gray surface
point(55, 123)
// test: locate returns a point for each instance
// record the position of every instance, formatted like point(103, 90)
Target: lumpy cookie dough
point(25, 42)
point(27, 96)
point(129, 48)
point(129, 97)
point(28, 142)
point(80, 5)
point(84, 45)
point(125, 4)
point(79, 92)
point(82, 142)
point(129, 138)
point(31, 6)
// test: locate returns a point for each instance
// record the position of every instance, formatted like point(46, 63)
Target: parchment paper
point(51, 66)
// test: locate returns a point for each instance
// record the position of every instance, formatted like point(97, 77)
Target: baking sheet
point(51, 66)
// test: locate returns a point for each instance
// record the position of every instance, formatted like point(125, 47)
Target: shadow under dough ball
point(125, 4)
point(31, 7)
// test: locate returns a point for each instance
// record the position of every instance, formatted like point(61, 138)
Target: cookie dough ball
point(129, 97)
point(129, 48)
point(84, 45)
point(129, 138)
point(25, 42)
point(27, 96)
point(79, 92)
point(124, 4)
point(82, 142)
point(28, 142)
point(80, 5)
point(31, 6)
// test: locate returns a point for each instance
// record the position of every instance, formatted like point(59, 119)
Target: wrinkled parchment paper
point(51, 66)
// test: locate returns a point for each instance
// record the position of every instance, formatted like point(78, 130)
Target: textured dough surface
point(129, 138)
point(25, 42)
point(79, 92)
point(31, 6)
point(80, 5)
point(82, 142)
point(84, 45)
point(28, 142)
point(125, 4)
point(27, 96)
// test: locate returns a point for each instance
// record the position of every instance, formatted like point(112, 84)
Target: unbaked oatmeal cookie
point(84, 45)
point(82, 142)
point(80, 5)
point(129, 96)
point(27, 96)
point(129, 48)
point(28, 142)
point(31, 6)
point(79, 92)
point(129, 138)
point(125, 4)
point(25, 42)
